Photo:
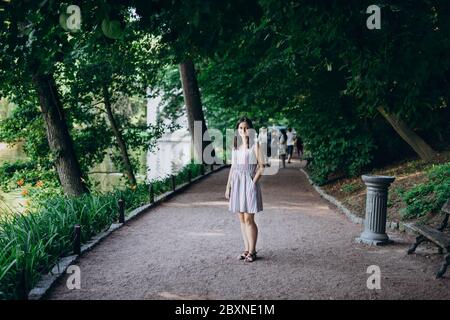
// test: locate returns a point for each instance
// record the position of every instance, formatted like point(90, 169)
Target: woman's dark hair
point(237, 136)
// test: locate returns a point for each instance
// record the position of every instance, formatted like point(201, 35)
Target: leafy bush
point(337, 154)
point(27, 171)
point(428, 197)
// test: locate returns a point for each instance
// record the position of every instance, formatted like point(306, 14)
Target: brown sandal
point(243, 255)
point(250, 257)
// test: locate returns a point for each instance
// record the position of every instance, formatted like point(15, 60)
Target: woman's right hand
point(227, 193)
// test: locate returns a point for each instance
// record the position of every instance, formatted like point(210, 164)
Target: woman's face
point(243, 129)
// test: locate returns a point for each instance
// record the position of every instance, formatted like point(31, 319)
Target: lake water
point(11, 200)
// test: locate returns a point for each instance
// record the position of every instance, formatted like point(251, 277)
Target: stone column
point(376, 210)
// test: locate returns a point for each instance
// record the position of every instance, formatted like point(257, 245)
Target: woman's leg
point(243, 230)
point(252, 231)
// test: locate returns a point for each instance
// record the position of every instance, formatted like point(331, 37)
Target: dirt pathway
point(186, 249)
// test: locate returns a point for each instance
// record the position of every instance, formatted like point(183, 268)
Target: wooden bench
point(436, 236)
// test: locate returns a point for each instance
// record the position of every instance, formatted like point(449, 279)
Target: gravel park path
point(186, 248)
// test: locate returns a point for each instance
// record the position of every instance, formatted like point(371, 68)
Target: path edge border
point(47, 281)
point(400, 226)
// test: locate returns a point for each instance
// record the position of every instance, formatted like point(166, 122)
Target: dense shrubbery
point(341, 149)
point(14, 174)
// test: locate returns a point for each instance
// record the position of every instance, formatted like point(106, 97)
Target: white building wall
point(173, 150)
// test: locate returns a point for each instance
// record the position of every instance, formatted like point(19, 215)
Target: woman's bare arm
point(229, 179)
point(260, 160)
point(228, 188)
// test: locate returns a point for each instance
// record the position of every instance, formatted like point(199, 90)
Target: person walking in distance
point(299, 144)
point(290, 144)
point(282, 147)
point(243, 189)
point(274, 141)
point(262, 139)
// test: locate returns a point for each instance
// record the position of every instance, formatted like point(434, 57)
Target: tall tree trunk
point(119, 138)
point(194, 109)
point(58, 136)
point(415, 141)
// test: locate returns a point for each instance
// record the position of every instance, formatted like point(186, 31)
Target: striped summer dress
point(245, 196)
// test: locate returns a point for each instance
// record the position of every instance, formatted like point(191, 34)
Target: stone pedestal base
point(374, 242)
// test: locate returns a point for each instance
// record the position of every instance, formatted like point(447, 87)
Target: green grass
point(350, 187)
point(32, 243)
point(428, 197)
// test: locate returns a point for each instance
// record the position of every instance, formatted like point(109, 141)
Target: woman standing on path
point(243, 189)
